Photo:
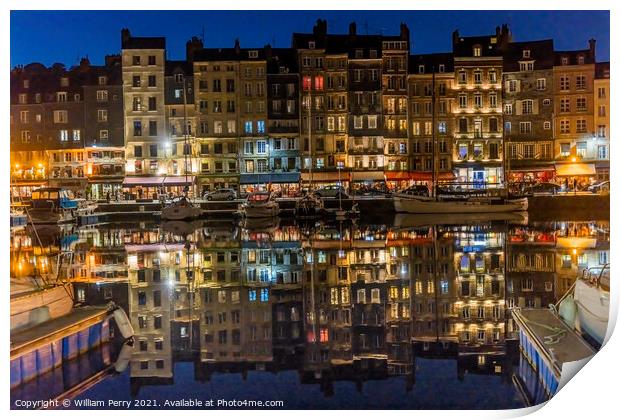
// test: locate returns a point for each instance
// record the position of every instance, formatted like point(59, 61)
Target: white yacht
point(260, 204)
point(591, 296)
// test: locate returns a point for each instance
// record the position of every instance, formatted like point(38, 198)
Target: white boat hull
point(422, 206)
point(592, 309)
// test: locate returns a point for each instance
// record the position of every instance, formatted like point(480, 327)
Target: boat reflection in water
point(408, 314)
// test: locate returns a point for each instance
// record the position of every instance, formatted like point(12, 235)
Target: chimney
point(112, 60)
point(191, 47)
point(268, 52)
point(84, 64)
point(404, 32)
point(455, 38)
point(320, 28)
point(237, 46)
point(592, 43)
point(352, 29)
point(505, 37)
point(125, 35)
point(497, 31)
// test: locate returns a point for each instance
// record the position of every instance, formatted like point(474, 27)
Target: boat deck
point(31, 338)
point(570, 347)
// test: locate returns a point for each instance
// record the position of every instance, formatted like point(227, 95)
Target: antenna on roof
point(366, 27)
point(202, 34)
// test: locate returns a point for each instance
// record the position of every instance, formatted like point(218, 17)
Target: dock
point(39, 349)
point(548, 343)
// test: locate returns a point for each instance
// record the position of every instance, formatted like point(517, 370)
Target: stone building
point(283, 119)
point(428, 72)
point(365, 120)
point(528, 111)
point(231, 116)
point(601, 119)
point(575, 141)
point(180, 148)
point(478, 151)
point(395, 61)
point(143, 69)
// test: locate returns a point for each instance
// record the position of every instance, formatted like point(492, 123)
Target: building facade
point(478, 141)
point(528, 111)
point(354, 109)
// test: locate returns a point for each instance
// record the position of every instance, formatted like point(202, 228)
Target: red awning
point(396, 176)
point(428, 176)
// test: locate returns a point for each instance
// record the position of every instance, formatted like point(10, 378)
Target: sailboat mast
point(310, 130)
point(433, 100)
point(185, 134)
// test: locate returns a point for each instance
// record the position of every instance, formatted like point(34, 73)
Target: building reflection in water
point(332, 302)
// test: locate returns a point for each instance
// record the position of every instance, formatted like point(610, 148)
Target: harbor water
point(386, 313)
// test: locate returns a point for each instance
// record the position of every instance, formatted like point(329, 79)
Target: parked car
point(543, 188)
point(221, 194)
point(414, 190)
point(331, 191)
point(601, 187)
point(372, 192)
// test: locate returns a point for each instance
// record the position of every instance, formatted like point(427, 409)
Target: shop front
point(479, 177)
point(575, 176)
point(320, 179)
point(397, 180)
point(22, 190)
point(285, 184)
point(364, 180)
point(154, 187)
point(531, 175)
point(104, 188)
point(602, 171)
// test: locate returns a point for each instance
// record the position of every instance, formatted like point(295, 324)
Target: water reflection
point(332, 302)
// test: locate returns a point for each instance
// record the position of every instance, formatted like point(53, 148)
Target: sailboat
point(181, 208)
point(416, 201)
point(310, 205)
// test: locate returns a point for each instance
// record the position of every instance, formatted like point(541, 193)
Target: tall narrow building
point(428, 72)
point(528, 111)
point(143, 66)
point(478, 149)
point(601, 119)
point(575, 148)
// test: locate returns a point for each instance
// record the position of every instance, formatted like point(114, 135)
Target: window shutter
point(518, 107)
point(535, 106)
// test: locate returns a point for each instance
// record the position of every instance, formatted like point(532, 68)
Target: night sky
point(64, 36)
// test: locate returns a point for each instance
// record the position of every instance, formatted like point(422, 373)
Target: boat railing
point(593, 275)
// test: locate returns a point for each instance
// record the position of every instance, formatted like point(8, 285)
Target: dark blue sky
point(64, 36)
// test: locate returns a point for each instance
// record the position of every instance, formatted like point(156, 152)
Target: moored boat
point(260, 204)
point(51, 205)
point(181, 208)
point(424, 205)
point(309, 206)
point(586, 305)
